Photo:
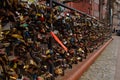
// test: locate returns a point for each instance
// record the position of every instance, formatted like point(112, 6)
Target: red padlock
point(42, 18)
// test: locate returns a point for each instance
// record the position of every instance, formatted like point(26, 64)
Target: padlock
point(58, 71)
point(42, 18)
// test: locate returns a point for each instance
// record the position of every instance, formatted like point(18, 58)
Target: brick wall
point(90, 7)
point(83, 5)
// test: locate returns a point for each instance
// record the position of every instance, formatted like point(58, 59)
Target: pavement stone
point(105, 67)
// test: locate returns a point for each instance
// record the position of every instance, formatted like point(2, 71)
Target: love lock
point(48, 76)
point(59, 71)
point(12, 74)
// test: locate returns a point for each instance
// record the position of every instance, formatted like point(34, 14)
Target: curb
point(79, 69)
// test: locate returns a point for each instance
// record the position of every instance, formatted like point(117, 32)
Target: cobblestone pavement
point(104, 68)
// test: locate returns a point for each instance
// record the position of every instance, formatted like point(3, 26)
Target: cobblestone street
point(107, 64)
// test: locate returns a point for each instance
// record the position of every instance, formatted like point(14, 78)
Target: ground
point(106, 67)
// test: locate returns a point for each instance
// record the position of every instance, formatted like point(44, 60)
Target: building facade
point(90, 7)
point(82, 5)
point(96, 8)
point(116, 15)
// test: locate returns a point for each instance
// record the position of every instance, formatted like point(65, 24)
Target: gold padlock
point(58, 71)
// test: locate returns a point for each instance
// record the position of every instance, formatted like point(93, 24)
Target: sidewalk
point(107, 66)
